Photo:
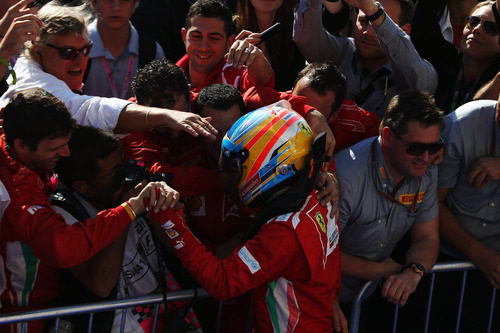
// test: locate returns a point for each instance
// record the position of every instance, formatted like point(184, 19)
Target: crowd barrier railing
point(454, 266)
point(91, 308)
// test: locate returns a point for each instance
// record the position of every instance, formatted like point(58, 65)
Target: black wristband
point(377, 14)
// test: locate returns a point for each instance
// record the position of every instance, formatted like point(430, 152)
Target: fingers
point(339, 320)
point(242, 53)
point(197, 125)
point(477, 175)
point(161, 196)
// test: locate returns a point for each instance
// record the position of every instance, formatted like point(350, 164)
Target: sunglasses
point(419, 148)
point(70, 53)
point(489, 27)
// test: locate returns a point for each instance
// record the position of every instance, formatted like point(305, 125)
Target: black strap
point(75, 292)
point(66, 199)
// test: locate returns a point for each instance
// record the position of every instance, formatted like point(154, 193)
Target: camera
point(135, 172)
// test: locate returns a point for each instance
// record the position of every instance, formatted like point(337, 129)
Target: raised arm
point(313, 41)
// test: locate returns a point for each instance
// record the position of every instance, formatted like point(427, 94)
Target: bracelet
point(4, 62)
point(129, 210)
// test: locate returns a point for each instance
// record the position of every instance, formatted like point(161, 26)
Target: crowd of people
point(152, 146)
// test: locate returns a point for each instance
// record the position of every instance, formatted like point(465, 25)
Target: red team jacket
point(35, 241)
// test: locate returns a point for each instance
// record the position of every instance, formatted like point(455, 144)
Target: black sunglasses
point(70, 53)
point(489, 27)
point(419, 148)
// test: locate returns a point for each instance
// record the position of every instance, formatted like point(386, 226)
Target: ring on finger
point(247, 50)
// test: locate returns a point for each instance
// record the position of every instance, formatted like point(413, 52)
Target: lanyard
point(459, 98)
point(127, 80)
point(391, 197)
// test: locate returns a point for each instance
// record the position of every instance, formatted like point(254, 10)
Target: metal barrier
point(454, 266)
point(157, 299)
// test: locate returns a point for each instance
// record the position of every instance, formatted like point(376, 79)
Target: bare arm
point(487, 260)
point(135, 117)
point(424, 248)
point(489, 90)
point(368, 270)
point(17, 26)
point(100, 274)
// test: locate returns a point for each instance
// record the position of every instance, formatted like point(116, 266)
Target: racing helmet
point(269, 147)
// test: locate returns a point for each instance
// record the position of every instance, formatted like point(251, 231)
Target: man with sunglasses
point(56, 62)
point(387, 188)
point(469, 209)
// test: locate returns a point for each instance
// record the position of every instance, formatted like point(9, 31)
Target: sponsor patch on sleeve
point(247, 258)
point(33, 209)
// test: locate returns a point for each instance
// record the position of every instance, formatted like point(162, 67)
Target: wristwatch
point(417, 268)
point(377, 14)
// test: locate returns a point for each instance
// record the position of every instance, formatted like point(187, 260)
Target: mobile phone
point(269, 31)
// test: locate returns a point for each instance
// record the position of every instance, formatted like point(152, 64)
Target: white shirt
point(98, 112)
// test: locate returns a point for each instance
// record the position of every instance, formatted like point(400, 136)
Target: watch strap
point(377, 14)
point(416, 267)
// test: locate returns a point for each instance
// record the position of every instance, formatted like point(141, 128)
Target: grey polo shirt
point(371, 223)
point(470, 134)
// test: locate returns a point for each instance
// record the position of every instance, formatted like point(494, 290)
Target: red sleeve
point(31, 220)
point(259, 260)
point(246, 84)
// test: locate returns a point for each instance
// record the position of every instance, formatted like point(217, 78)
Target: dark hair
point(411, 105)
point(407, 8)
point(87, 145)
point(156, 83)
point(219, 96)
point(324, 77)
point(212, 9)
point(33, 115)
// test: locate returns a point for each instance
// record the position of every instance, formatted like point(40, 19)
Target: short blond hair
point(59, 19)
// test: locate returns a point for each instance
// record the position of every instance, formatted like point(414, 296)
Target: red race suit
point(35, 240)
point(292, 267)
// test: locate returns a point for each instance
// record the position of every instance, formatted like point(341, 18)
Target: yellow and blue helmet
point(268, 146)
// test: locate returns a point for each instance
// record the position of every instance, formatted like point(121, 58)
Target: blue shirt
point(470, 134)
point(97, 82)
point(372, 223)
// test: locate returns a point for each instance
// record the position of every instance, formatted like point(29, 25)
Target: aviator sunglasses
point(419, 148)
point(489, 27)
point(70, 53)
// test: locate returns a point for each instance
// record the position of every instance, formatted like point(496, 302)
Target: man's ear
point(406, 28)
point(183, 33)
point(387, 135)
point(20, 147)
point(81, 186)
